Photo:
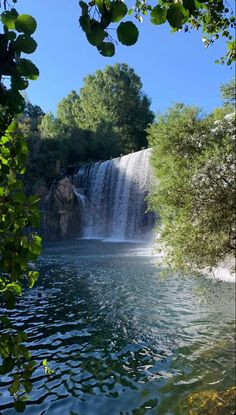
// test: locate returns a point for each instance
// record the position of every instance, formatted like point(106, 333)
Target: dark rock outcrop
point(60, 211)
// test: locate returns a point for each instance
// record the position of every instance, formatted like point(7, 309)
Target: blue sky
point(173, 67)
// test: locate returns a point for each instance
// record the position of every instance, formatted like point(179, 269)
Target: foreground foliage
point(194, 162)
point(19, 244)
point(214, 18)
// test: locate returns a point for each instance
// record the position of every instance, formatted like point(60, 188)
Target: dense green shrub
point(194, 163)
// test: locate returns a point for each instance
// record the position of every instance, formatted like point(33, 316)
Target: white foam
point(223, 273)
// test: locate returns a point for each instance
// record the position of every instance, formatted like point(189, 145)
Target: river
point(120, 338)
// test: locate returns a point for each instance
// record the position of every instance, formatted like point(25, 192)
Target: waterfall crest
point(112, 196)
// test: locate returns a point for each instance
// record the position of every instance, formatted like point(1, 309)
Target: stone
point(60, 211)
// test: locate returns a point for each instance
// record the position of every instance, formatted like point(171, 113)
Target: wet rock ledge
point(60, 211)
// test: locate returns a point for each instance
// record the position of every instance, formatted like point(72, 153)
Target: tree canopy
point(68, 109)
point(111, 97)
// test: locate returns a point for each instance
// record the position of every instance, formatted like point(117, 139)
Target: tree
point(51, 143)
point(30, 120)
point(214, 17)
point(51, 127)
point(104, 143)
point(33, 111)
point(68, 108)
point(114, 96)
point(194, 162)
point(228, 93)
point(228, 96)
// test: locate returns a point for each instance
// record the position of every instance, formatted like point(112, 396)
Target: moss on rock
point(212, 402)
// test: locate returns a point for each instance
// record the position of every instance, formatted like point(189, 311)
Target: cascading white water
point(116, 191)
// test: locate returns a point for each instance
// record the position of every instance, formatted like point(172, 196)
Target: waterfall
point(113, 197)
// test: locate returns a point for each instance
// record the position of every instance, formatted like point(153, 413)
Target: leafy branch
point(19, 216)
point(214, 17)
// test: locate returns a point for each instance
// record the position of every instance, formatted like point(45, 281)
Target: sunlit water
point(121, 339)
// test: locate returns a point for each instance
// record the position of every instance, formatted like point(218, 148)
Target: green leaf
point(14, 387)
point(12, 127)
point(35, 246)
point(32, 277)
point(118, 11)
point(96, 35)
point(26, 24)
point(47, 369)
point(127, 33)
point(198, 4)
point(19, 83)
point(19, 197)
point(26, 374)
point(85, 23)
point(29, 368)
point(10, 35)
point(105, 19)
point(106, 49)
point(28, 386)
point(8, 19)
point(5, 322)
point(26, 68)
point(22, 336)
point(176, 15)
point(100, 5)
point(7, 365)
point(5, 152)
point(15, 101)
point(84, 7)
point(25, 43)
point(25, 352)
point(2, 193)
point(158, 15)
point(34, 199)
point(15, 288)
point(189, 5)
point(19, 406)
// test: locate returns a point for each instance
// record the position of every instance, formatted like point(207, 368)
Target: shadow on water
point(121, 340)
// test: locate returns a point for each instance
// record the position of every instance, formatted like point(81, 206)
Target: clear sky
point(172, 67)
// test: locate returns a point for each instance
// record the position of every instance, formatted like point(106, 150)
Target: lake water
point(121, 339)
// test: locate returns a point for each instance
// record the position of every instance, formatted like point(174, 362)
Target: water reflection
point(120, 339)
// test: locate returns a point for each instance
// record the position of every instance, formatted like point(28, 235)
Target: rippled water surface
point(120, 339)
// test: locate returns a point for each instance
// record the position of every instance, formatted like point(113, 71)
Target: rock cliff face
point(60, 211)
